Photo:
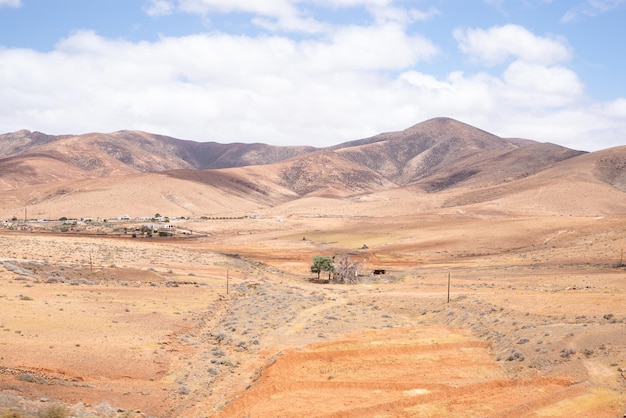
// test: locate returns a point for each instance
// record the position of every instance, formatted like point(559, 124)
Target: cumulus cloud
point(208, 86)
point(10, 3)
point(499, 44)
point(534, 85)
point(512, 105)
point(351, 82)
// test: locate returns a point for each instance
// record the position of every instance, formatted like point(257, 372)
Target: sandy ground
point(231, 324)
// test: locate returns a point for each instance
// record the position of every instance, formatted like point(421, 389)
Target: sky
point(315, 72)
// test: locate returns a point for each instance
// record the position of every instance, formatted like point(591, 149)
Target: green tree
point(322, 263)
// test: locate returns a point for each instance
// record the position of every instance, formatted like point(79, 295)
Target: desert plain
point(143, 276)
point(230, 322)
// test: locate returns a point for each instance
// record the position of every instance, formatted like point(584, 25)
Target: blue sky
point(315, 72)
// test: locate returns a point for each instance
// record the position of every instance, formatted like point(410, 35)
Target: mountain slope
point(16, 143)
point(138, 195)
point(498, 167)
point(134, 151)
point(588, 184)
point(36, 169)
point(330, 174)
point(442, 152)
point(440, 163)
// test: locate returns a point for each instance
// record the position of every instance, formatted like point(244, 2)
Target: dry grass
point(533, 298)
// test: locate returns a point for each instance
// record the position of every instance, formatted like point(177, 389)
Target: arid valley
point(501, 293)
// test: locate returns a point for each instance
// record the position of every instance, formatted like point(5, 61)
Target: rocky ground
point(100, 326)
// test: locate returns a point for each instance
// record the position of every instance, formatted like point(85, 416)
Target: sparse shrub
point(55, 411)
point(17, 270)
point(27, 377)
point(515, 355)
point(218, 352)
point(11, 413)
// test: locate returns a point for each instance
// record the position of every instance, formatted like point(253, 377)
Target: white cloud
point(499, 44)
point(534, 85)
point(352, 82)
point(209, 86)
point(276, 8)
point(292, 15)
point(591, 8)
point(10, 3)
point(402, 15)
point(357, 48)
point(159, 7)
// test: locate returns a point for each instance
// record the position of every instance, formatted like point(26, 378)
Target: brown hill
point(440, 163)
point(21, 141)
point(137, 195)
point(134, 151)
point(327, 173)
point(589, 184)
point(495, 167)
point(36, 169)
point(608, 166)
point(442, 152)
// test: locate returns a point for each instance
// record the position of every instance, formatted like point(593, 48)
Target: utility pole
point(448, 287)
point(227, 278)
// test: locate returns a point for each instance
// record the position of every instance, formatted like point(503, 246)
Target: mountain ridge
point(454, 162)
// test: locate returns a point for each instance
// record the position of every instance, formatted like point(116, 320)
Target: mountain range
point(440, 163)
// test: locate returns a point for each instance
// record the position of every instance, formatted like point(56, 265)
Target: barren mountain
point(133, 151)
point(455, 163)
point(330, 174)
point(588, 184)
point(443, 152)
